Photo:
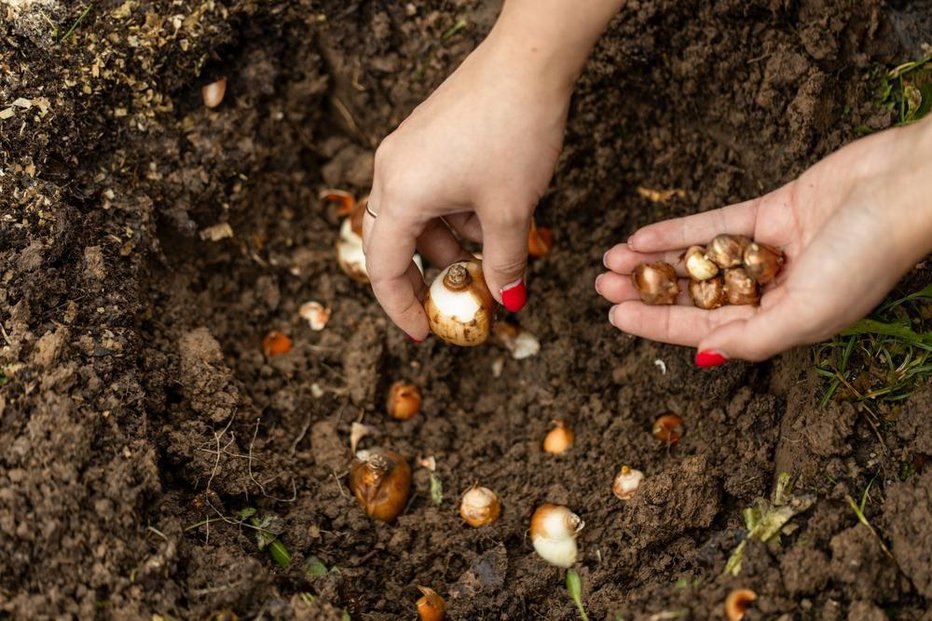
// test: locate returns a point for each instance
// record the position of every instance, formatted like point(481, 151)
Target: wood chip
point(661, 196)
point(217, 232)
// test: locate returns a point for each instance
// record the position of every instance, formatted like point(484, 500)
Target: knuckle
point(509, 266)
point(509, 218)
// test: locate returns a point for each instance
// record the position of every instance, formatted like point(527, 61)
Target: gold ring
point(370, 212)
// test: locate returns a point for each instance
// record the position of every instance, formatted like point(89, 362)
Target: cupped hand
point(850, 227)
point(471, 161)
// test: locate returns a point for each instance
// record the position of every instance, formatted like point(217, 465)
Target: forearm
point(552, 37)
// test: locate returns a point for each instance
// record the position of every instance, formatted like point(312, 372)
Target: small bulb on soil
point(698, 265)
point(520, 342)
point(459, 305)
point(656, 283)
point(431, 606)
point(554, 529)
point(213, 93)
point(358, 431)
point(404, 400)
point(740, 289)
point(627, 482)
point(727, 250)
point(345, 200)
point(737, 603)
point(480, 506)
point(762, 262)
point(276, 343)
point(668, 429)
point(559, 439)
point(707, 294)
point(381, 483)
point(316, 315)
point(539, 240)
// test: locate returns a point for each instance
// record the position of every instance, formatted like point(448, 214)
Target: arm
point(479, 153)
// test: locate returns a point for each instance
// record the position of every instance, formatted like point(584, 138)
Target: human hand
point(850, 227)
point(475, 157)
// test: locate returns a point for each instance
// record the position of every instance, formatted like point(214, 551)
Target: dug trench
point(140, 415)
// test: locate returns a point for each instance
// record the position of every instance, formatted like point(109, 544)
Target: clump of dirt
point(140, 416)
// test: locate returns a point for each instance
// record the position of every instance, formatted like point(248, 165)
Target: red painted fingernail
point(708, 358)
point(514, 296)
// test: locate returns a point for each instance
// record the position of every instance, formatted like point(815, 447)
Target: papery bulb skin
point(707, 294)
point(627, 482)
point(480, 506)
point(656, 283)
point(698, 265)
point(762, 262)
point(740, 289)
point(727, 250)
point(459, 305)
point(213, 93)
point(381, 483)
point(430, 607)
point(559, 439)
point(554, 529)
point(404, 400)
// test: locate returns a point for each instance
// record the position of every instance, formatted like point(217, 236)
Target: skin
point(478, 154)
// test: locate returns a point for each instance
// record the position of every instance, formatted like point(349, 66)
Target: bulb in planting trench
point(404, 400)
point(381, 483)
point(656, 283)
point(727, 250)
point(459, 305)
point(698, 265)
point(213, 93)
point(762, 262)
point(554, 529)
point(707, 294)
point(627, 482)
point(480, 506)
point(737, 603)
point(740, 289)
point(430, 607)
point(668, 429)
point(559, 439)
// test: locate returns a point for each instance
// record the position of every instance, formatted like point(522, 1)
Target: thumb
point(765, 334)
point(504, 260)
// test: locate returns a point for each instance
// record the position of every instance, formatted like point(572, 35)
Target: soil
point(139, 415)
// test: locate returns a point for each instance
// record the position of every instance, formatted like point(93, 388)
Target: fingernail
point(514, 296)
point(611, 316)
point(597, 279)
point(709, 358)
point(414, 340)
point(630, 242)
point(605, 259)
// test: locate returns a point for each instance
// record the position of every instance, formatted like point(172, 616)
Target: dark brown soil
point(137, 403)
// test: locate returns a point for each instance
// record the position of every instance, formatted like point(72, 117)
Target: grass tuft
point(879, 361)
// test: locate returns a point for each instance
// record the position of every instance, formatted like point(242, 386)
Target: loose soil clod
point(136, 400)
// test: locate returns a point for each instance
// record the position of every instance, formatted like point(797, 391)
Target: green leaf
point(314, 568)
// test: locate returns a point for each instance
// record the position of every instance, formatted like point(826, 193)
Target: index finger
point(697, 229)
point(395, 279)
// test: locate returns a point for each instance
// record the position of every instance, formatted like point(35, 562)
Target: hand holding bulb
point(849, 227)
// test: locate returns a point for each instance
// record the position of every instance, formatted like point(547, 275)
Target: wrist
point(550, 40)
